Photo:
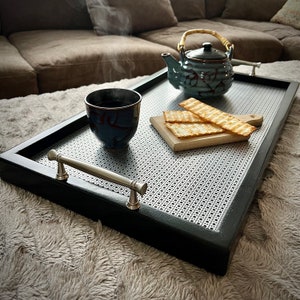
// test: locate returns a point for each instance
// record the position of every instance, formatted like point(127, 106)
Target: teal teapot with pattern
point(204, 72)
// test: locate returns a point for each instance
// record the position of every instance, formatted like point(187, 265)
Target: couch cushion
point(71, 58)
point(249, 44)
point(214, 8)
point(279, 31)
point(291, 50)
point(17, 77)
point(188, 9)
point(127, 16)
point(289, 14)
point(17, 15)
point(289, 36)
point(259, 10)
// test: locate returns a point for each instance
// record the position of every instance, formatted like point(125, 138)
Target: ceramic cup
point(113, 115)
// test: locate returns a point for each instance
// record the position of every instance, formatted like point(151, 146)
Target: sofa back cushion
point(214, 8)
point(188, 9)
point(258, 10)
point(21, 15)
point(130, 17)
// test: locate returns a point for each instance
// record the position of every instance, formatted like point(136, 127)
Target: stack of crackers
point(200, 119)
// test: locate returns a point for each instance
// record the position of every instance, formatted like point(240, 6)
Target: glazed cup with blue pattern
point(113, 115)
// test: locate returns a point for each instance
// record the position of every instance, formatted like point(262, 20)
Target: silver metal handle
point(133, 202)
point(238, 62)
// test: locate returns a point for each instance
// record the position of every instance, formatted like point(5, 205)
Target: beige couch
point(53, 45)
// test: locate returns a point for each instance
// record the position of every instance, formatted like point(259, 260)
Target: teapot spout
point(173, 69)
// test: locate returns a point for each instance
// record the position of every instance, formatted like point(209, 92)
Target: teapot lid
point(206, 53)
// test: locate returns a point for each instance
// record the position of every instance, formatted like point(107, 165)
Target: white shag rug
point(48, 252)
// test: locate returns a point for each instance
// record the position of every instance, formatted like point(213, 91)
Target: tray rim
point(222, 242)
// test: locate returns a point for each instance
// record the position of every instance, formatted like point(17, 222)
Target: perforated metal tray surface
point(196, 200)
point(198, 185)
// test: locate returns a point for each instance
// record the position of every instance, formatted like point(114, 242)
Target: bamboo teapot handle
point(181, 46)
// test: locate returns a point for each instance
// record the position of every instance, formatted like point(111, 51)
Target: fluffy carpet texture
point(48, 252)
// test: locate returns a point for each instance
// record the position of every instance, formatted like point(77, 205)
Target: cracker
point(181, 116)
point(187, 130)
point(216, 116)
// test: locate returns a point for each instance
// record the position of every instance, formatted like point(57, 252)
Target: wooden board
point(177, 144)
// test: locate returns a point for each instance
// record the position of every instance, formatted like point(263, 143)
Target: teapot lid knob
point(207, 46)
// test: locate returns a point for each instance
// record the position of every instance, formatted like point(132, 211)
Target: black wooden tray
point(197, 200)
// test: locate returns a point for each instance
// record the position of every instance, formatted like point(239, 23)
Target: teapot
point(204, 72)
